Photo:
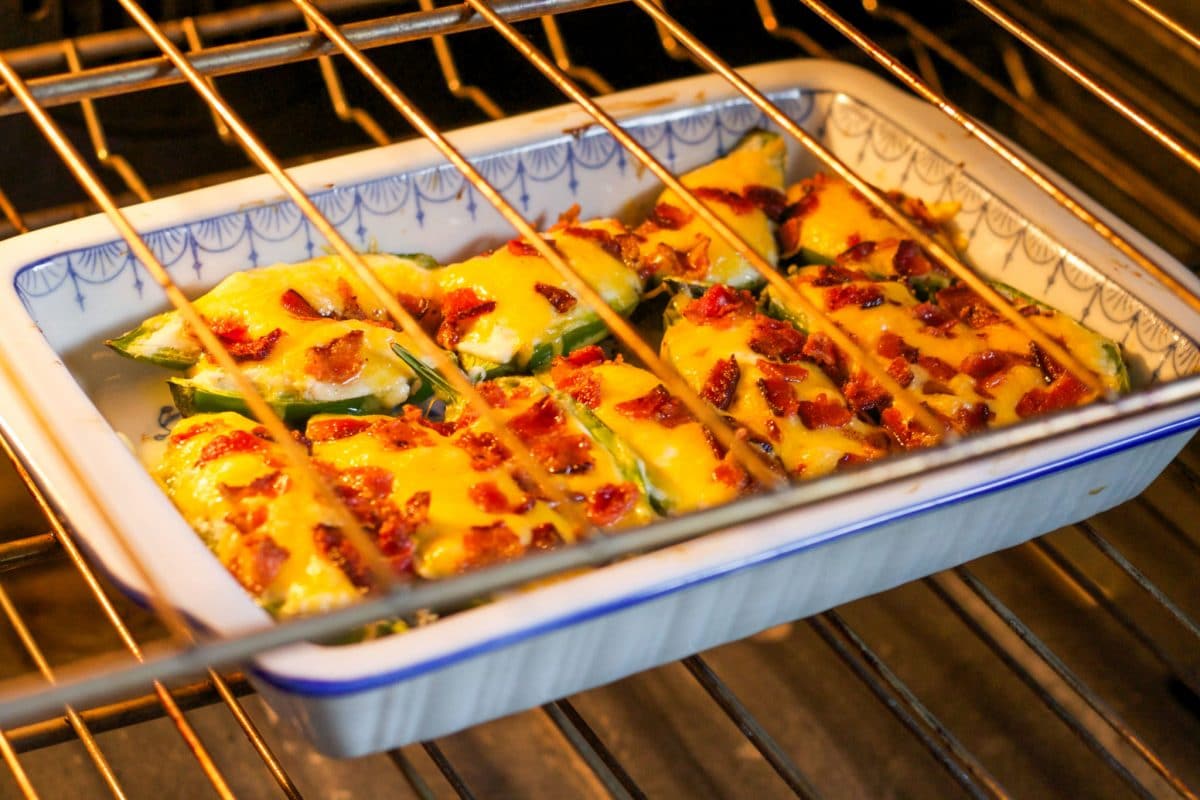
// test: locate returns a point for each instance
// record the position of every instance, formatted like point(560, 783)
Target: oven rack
point(955, 588)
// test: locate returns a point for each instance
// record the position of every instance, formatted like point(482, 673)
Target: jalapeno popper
point(310, 337)
point(744, 189)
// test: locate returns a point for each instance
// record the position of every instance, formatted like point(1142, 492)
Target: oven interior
point(1069, 666)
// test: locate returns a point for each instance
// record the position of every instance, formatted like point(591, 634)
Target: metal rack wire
point(1127, 754)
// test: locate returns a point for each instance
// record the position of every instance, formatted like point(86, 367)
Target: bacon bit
point(853, 295)
point(270, 485)
point(338, 360)
point(865, 396)
point(721, 385)
point(696, 257)
point(624, 247)
point(328, 430)
point(259, 561)
point(939, 321)
point(585, 356)
point(792, 373)
point(541, 418)
point(520, 247)
point(366, 491)
point(964, 303)
point(665, 261)
point(181, 436)
point(908, 433)
point(1065, 392)
point(657, 404)
point(821, 349)
point(972, 417)
point(731, 475)
point(776, 339)
point(236, 441)
point(492, 394)
point(988, 363)
point(460, 307)
point(583, 387)
point(294, 304)
point(822, 412)
point(857, 252)
point(567, 219)
point(792, 221)
point(253, 349)
point(485, 450)
point(248, 520)
point(831, 275)
point(933, 386)
point(400, 434)
point(668, 217)
point(719, 305)
point(563, 454)
point(350, 307)
point(561, 300)
point(488, 497)
point(916, 210)
point(910, 260)
point(711, 439)
point(610, 502)
point(779, 396)
point(545, 537)
point(630, 253)
point(337, 549)
point(737, 203)
point(772, 202)
point(419, 308)
point(891, 345)
point(490, 544)
point(853, 239)
point(1050, 368)
point(898, 369)
point(937, 369)
point(773, 432)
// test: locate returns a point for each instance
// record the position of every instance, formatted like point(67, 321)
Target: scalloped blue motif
point(532, 176)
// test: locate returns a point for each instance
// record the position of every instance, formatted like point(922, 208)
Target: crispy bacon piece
point(776, 339)
point(248, 520)
point(899, 370)
point(612, 501)
point(493, 394)
point(236, 441)
point(718, 305)
point(1066, 391)
point(460, 307)
point(582, 386)
point(779, 396)
point(822, 349)
point(938, 369)
point(831, 275)
point(297, 306)
point(792, 373)
point(860, 251)
point(792, 220)
point(864, 395)
point(938, 321)
point(270, 486)
point(668, 217)
point(560, 299)
point(486, 451)
point(332, 544)
point(399, 433)
point(488, 497)
point(1050, 368)
point(258, 562)
point(328, 430)
point(736, 203)
point(490, 544)
point(853, 295)
point(252, 349)
point(350, 307)
point(731, 475)
point(659, 405)
point(181, 436)
point(987, 363)
point(541, 418)
point(520, 247)
point(696, 257)
point(664, 260)
point(585, 356)
point(545, 537)
point(563, 453)
point(972, 417)
point(891, 345)
point(422, 309)
point(910, 260)
point(822, 412)
point(908, 433)
point(367, 492)
point(721, 385)
point(338, 360)
point(964, 303)
point(772, 202)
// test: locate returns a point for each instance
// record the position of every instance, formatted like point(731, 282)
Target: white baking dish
point(70, 286)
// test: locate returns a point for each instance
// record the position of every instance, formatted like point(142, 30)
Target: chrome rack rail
point(986, 616)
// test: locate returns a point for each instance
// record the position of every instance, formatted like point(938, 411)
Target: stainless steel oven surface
point(1068, 665)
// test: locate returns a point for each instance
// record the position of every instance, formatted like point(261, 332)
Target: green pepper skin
point(126, 345)
point(191, 399)
point(482, 369)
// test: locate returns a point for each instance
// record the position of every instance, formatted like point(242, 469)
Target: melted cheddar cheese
point(735, 188)
point(788, 403)
point(525, 303)
point(231, 485)
point(685, 473)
